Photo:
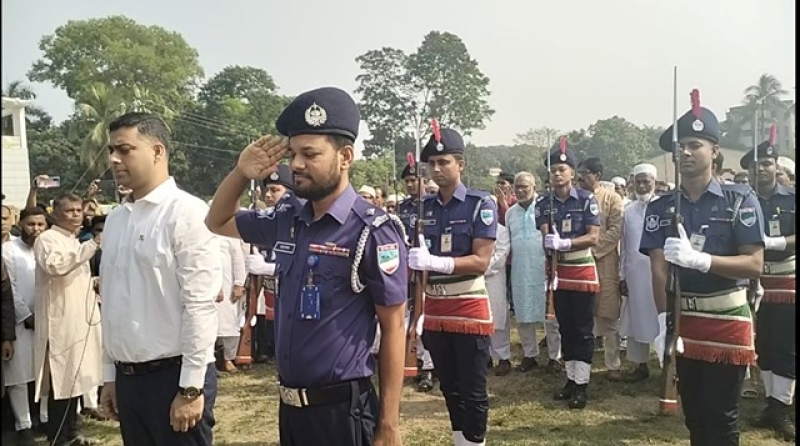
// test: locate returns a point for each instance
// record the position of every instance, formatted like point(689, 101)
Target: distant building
point(16, 168)
point(666, 168)
point(784, 120)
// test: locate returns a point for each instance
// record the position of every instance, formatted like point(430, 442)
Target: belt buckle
point(128, 369)
point(293, 397)
point(691, 303)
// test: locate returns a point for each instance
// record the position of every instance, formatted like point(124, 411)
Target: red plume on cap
point(437, 134)
point(773, 134)
point(563, 146)
point(695, 95)
point(410, 159)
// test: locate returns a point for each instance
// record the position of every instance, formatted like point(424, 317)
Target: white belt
point(776, 268)
point(457, 288)
point(721, 302)
point(570, 256)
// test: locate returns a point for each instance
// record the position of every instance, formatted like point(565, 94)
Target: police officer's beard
point(318, 190)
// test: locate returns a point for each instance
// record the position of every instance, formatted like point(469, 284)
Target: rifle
point(252, 285)
point(668, 398)
point(418, 278)
point(552, 282)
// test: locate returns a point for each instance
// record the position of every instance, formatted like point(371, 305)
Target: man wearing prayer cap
point(621, 186)
point(640, 321)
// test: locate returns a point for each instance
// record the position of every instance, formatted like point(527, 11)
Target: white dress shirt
point(159, 277)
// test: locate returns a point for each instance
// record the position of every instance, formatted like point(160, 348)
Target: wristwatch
point(190, 393)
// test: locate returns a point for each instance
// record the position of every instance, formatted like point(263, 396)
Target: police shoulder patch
point(747, 216)
point(537, 212)
point(487, 216)
point(389, 258)
point(266, 213)
point(594, 209)
point(651, 223)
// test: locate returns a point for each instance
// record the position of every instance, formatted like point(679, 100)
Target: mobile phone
point(49, 183)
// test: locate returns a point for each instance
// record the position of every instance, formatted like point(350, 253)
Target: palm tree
point(765, 96)
point(100, 108)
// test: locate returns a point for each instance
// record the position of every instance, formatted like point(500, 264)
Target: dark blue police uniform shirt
point(711, 216)
point(470, 214)
point(779, 207)
point(315, 353)
point(407, 213)
point(580, 208)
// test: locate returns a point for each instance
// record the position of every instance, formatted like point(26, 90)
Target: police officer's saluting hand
point(339, 262)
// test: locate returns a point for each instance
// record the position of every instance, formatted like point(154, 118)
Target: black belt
point(443, 280)
point(336, 393)
point(142, 368)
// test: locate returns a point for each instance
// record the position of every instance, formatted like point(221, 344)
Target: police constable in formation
point(576, 221)
point(460, 226)
point(340, 261)
point(775, 330)
point(717, 248)
point(407, 212)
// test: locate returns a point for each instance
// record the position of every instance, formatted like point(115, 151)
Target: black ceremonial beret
point(451, 144)
point(324, 111)
point(706, 127)
point(408, 171)
point(282, 176)
point(556, 157)
point(765, 150)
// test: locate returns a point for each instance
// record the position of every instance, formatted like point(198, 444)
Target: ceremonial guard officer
point(278, 191)
point(570, 224)
point(717, 248)
point(775, 328)
point(339, 261)
point(460, 226)
point(407, 212)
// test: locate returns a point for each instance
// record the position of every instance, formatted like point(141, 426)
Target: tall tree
point(120, 53)
point(400, 92)
point(763, 97)
point(620, 144)
point(99, 108)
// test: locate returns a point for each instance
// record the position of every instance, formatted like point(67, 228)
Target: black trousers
point(62, 419)
point(349, 423)
point(710, 400)
point(461, 361)
point(264, 337)
point(775, 343)
point(575, 314)
point(144, 404)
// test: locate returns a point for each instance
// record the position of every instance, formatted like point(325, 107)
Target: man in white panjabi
point(67, 358)
point(496, 287)
point(18, 371)
point(528, 278)
point(229, 300)
point(640, 320)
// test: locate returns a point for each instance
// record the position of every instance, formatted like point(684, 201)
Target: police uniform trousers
point(775, 345)
point(144, 402)
point(710, 400)
point(264, 337)
point(461, 362)
point(346, 423)
point(575, 314)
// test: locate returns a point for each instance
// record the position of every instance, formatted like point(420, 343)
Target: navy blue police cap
point(451, 144)
point(556, 157)
point(765, 150)
point(282, 176)
point(324, 111)
point(408, 171)
point(705, 127)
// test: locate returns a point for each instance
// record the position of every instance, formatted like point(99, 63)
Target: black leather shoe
point(565, 393)
point(503, 368)
point(579, 397)
point(782, 420)
point(527, 364)
point(25, 438)
point(425, 381)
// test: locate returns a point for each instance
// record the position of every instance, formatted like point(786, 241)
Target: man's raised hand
point(261, 157)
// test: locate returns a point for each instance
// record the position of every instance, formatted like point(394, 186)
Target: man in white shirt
point(160, 275)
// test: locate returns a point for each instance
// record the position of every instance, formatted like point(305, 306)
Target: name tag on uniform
point(566, 225)
point(284, 247)
point(447, 243)
point(698, 241)
point(774, 228)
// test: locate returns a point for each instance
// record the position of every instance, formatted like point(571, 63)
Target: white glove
point(774, 243)
point(255, 264)
point(659, 340)
point(679, 251)
point(420, 259)
point(554, 241)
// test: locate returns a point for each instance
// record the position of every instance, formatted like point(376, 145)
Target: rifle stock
point(244, 354)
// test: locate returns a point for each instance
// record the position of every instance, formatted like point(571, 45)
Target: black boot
point(579, 397)
point(425, 381)
point(527, 364)
point(641, 373)
point(503, 368)
point(781, 420)
point(565, 393)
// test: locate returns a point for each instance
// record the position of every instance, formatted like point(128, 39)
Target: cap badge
point(274, 176)
point(316, 115)
point(562, 157)
point(770, 151)
point(439, 147)
point(698, 125)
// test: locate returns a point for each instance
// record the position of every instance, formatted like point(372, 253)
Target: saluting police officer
point(460, 226)
point(775, 330)
point(278, 191)
point(407, 212)
point(339, 262)
point(576, 221)
point(718, 247)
